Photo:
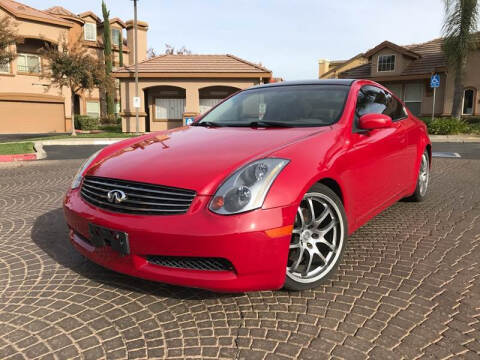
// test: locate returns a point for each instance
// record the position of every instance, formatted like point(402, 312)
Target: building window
point(468, 101)
point(386, 63)
point(116, 37)
point(5, 68)
point(117, 108)
point(169, 109)
point(413, 97)
point(93, 109)
point(28, 63)
point(90, 31)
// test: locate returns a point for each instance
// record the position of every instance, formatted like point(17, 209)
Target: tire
point(318, 241)
point(422, 179)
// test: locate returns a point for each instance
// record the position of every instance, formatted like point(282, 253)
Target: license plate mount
point(101, 236)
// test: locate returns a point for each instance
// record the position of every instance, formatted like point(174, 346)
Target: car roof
point(345, 82)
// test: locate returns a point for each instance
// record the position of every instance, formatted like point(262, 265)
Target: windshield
point(283, 106)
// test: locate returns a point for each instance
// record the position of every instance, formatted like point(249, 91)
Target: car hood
point(195, 158)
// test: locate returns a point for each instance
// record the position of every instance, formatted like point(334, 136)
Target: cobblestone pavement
point(408, 287)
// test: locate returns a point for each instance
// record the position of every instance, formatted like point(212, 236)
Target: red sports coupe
point(260, 193)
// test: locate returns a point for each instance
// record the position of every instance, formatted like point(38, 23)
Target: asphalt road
point(465, 150)
point(61, 152)
point(64, 152)
point(22, 137)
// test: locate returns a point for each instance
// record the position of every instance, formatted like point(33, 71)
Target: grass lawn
point(16, 148)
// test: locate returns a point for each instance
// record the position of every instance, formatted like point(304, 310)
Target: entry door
point(207, 104)
point(169, 109)
point(376, 159)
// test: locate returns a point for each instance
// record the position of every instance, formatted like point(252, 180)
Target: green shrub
point(446, 126)
point(111, 128)
point(84, 122)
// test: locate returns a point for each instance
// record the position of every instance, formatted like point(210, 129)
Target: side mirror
point(374, 121)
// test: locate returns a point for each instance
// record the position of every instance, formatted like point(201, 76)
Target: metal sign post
point(434, 83)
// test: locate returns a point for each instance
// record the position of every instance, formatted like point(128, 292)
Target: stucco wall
point(401, 62)
point(471, 80)
point(192, 105)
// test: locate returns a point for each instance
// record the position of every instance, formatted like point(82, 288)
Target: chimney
point(323, 67)
point(142, 28)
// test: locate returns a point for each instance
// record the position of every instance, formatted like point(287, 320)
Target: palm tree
point(460, 24)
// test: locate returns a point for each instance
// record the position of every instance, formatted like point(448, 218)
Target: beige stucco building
point(175, 87)
point(28, 102)
point(406, 70)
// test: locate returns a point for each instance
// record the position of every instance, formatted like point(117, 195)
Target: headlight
point(77, 180)
point(247, 187)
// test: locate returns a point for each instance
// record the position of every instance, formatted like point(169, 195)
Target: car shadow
point(50, 233)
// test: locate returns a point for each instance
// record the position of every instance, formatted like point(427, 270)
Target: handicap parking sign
point(435, 81)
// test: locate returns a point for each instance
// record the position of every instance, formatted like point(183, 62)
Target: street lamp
point(135, 54)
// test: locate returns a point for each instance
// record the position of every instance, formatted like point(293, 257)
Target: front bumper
point(259, 259)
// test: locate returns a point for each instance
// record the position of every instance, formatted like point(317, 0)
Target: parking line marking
point(446, 154)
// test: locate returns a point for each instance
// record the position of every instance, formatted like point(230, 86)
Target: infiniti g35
point(259, 193)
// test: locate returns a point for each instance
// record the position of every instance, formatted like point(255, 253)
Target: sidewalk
point(455, 138)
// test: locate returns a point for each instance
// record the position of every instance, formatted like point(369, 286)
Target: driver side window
point(370, 100)
point(373, 100)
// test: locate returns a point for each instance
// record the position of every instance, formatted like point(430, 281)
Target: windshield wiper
point(269, 124)
point(206, 123)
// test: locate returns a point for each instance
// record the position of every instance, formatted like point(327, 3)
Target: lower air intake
point(192, 263)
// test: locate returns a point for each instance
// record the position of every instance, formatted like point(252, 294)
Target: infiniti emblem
point(116, 196)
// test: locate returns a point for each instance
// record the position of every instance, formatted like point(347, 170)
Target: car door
point(375, 158)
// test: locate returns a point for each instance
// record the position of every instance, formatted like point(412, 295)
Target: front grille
point(141, 198)
point(193, 263)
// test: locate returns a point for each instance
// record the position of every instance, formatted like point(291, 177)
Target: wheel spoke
point(322, 216)
point(294, 246)
point(327, 228)
point(310, 255)
point(299, 260)
point(312, 211)
point(326, 243)
point(296, 231)
point(319, 254)
point(300, 215)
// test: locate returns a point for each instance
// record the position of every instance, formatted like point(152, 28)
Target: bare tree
point(171, 50)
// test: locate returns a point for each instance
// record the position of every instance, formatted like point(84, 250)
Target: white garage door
point(207, 104)
point(169, 109)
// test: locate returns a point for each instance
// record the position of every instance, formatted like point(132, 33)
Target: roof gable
point(387, 44)
point(90, 14)
point(26, 12)
point(116, 20)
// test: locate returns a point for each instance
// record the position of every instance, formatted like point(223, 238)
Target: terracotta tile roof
point(431, 59)
point(196, 63)
point(359, 72)
point(26, 12)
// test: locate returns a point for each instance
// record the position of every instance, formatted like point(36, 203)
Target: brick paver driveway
point(409, 287)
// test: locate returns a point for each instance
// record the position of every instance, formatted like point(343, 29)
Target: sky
point(286, 36)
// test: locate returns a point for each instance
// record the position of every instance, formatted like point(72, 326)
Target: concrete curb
point(37, 155)
point(95, 141)
point(455, 138)
point(41, 154)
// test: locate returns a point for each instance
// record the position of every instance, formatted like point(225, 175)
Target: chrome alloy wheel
point(424, 175)
point(317, 239)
